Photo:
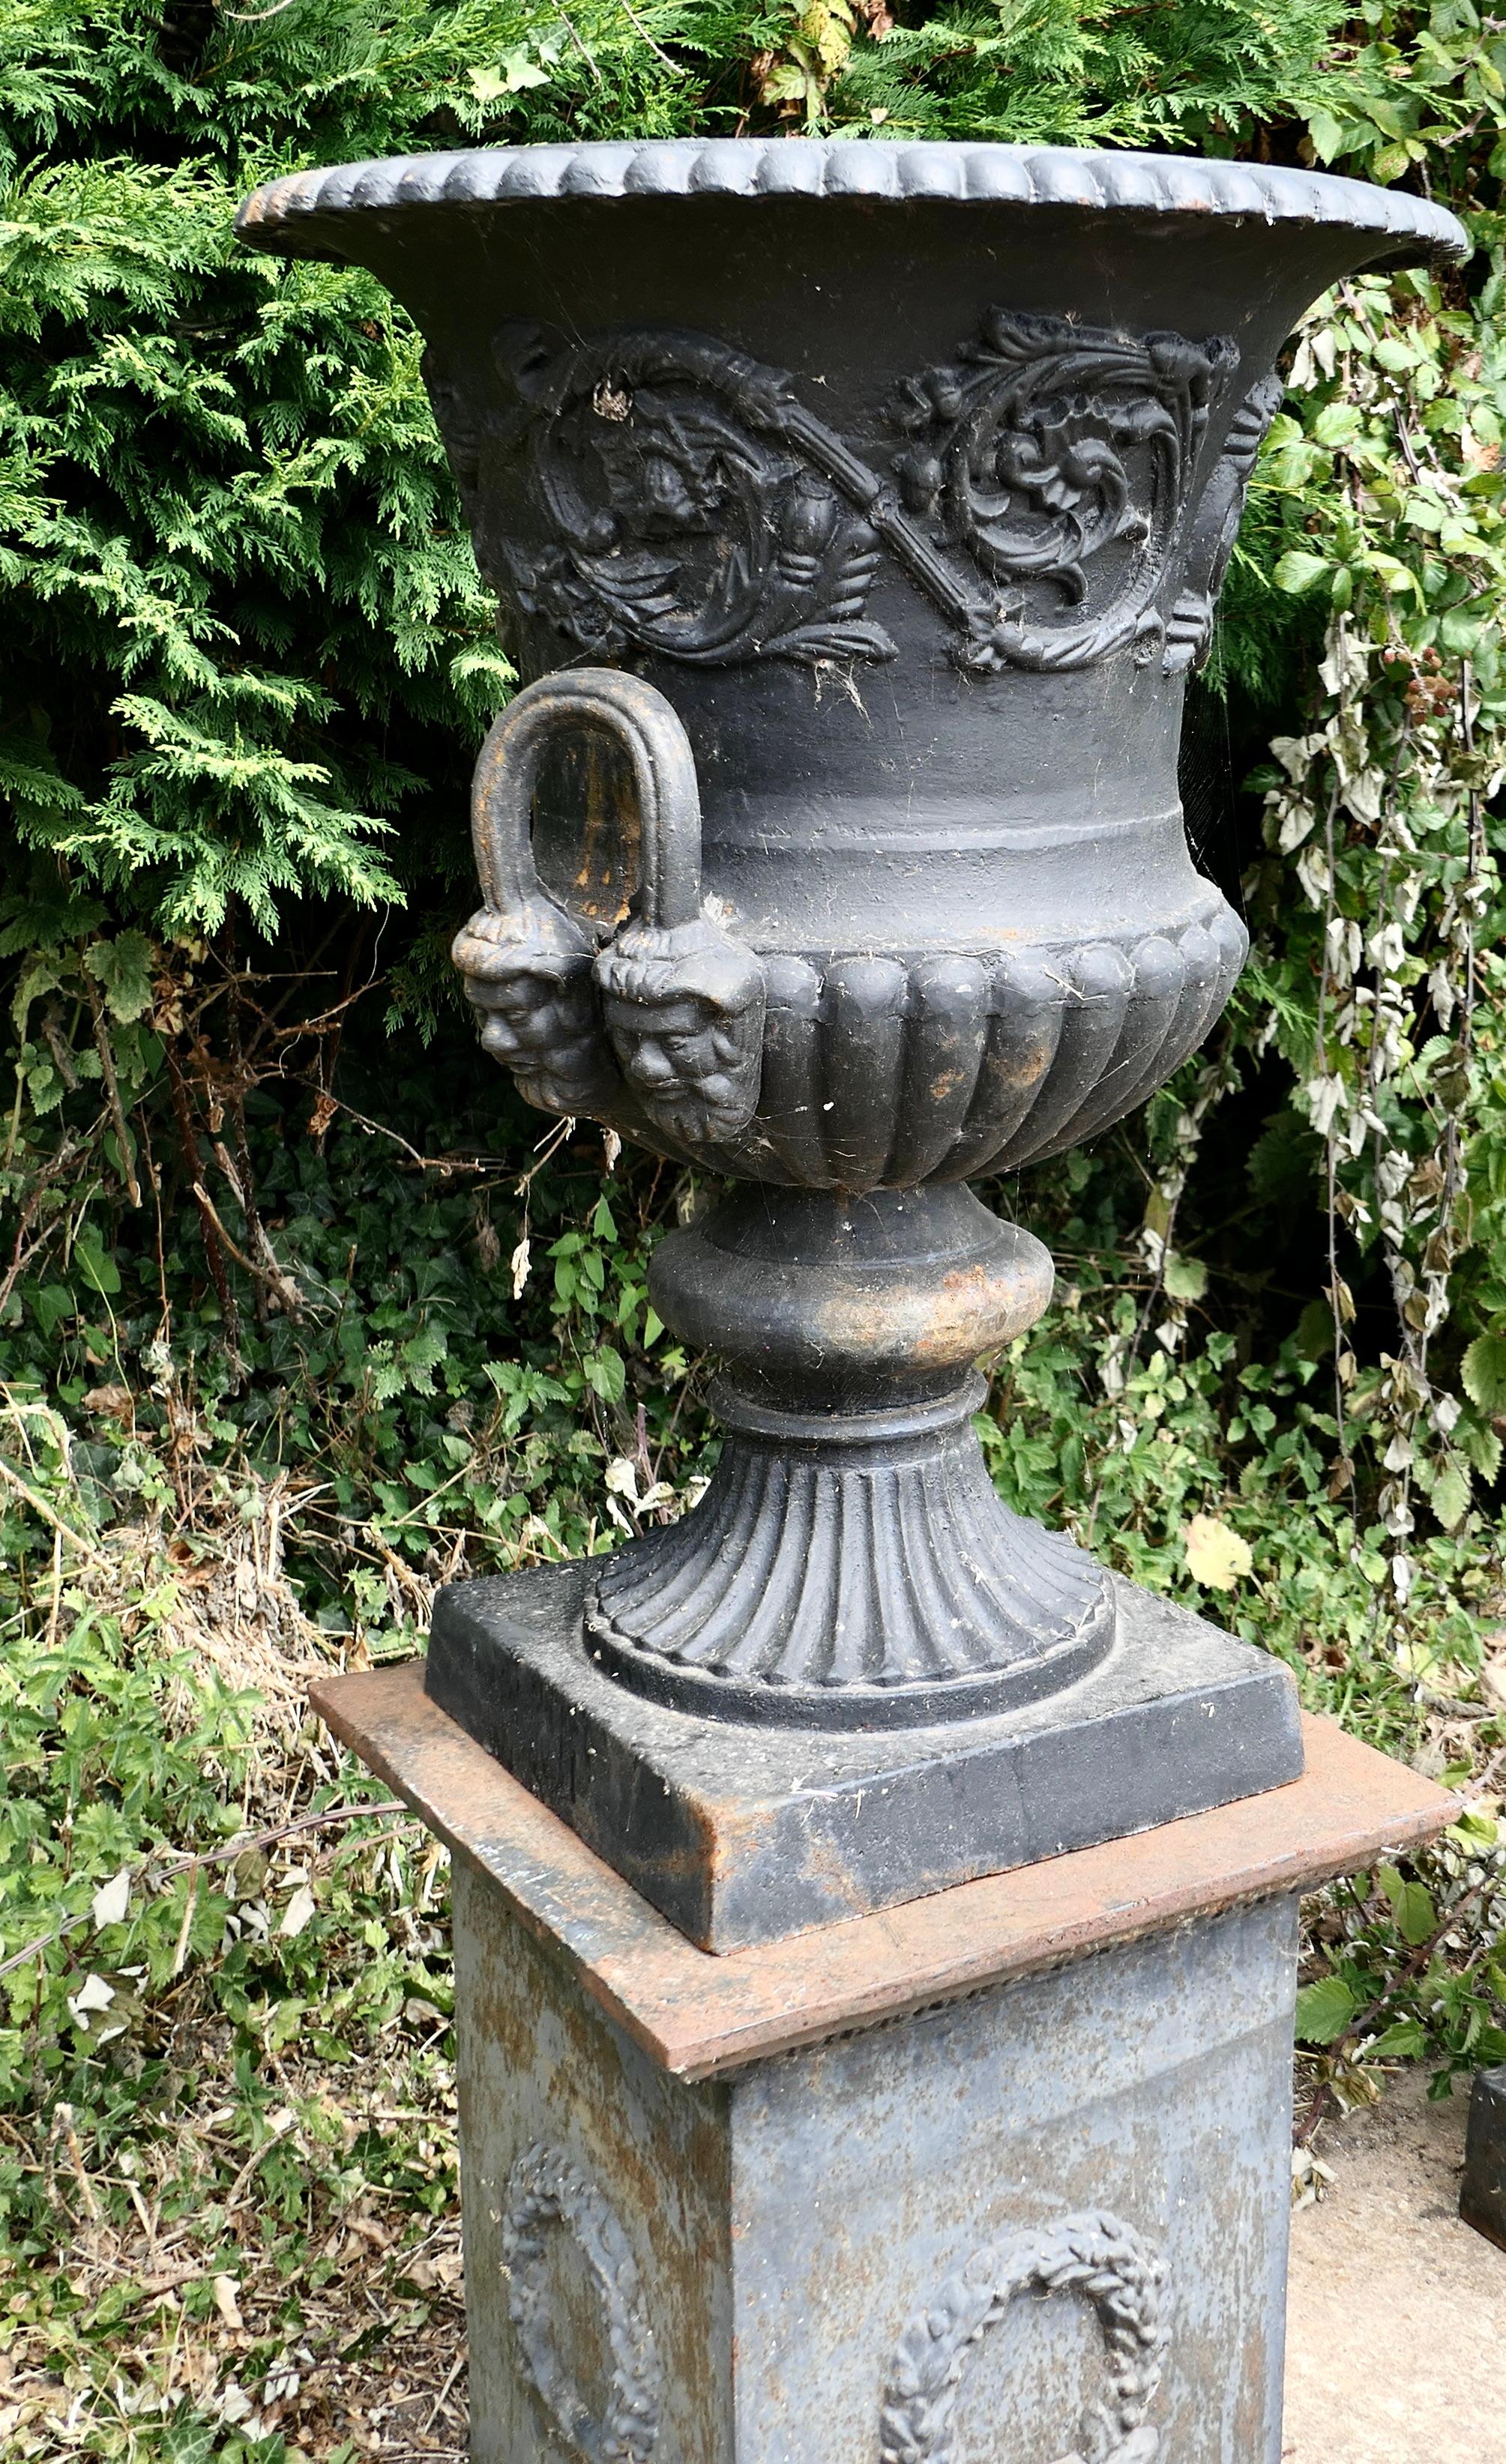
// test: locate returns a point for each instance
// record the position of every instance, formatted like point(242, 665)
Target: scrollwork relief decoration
point(547, 2193)
point(1189, 629)
point(1091, 2257)
point(681, 520)
point(693, 507)
point(1060, 457)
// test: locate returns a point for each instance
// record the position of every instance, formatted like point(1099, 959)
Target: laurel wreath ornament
point(1092, 2257)
point(544, 2191)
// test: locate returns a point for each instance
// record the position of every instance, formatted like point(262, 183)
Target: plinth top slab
point(697, 2015)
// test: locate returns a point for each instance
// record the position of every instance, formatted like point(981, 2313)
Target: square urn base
point(1002, 2172)
point(743, 1835)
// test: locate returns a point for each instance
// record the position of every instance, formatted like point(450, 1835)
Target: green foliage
point(296, 1321)
point(1053, 72)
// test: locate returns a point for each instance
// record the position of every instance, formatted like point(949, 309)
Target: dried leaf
point(1216, 1556)
point(226, 2301)
point(298, 1912)
point(93, 1994)
point(112, 1900)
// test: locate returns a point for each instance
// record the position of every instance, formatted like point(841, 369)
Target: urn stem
point(851, 1566)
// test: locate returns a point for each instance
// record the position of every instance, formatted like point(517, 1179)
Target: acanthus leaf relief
point(1189, 629)
point(682, 522)
point(1060, 457)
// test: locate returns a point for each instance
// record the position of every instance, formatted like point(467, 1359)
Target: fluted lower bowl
point(887, 1073)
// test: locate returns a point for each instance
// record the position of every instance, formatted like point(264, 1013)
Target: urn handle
point(525, 959)
point(682, 1001)
point(646, 728)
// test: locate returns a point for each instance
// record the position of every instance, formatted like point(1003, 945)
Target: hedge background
point(300, 1313)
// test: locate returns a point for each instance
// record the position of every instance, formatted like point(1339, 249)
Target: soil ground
point(1395, 2326)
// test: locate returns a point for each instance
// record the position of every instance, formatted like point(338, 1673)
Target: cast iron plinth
point(744, 1830)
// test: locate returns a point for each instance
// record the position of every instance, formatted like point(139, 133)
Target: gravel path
point(1396, 2328)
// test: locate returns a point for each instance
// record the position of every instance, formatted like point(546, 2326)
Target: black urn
point(857, 511)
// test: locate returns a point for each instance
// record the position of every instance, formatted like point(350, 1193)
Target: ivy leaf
point(520, 71)
point(100, 1272)
point(606, 1373)
point(50, 1306)
point(1324, 2011)
point(1483, 1370)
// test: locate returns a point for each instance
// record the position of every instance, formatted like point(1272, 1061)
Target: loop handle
point(639, 718)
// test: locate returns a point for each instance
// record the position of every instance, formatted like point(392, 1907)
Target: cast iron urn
point(856, 512)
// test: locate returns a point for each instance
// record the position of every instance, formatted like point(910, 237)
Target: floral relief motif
point(1060, 456)
point(1094, 2258)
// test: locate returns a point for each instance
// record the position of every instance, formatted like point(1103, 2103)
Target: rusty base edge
point(696, 2014)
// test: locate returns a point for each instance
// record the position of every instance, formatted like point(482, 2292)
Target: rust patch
point(947, 1323)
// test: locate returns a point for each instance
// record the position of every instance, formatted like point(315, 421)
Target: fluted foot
point(852, 1572)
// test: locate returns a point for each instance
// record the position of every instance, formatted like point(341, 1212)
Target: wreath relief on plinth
point(1092, 2257)
point(546, 2193)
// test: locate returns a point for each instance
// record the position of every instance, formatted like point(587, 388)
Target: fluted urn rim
point(299, 215)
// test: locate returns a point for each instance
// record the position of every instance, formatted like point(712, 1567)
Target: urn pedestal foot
point(851, 1566)
point(1003, 2174)
point(849, 1573)
point(850, 1676)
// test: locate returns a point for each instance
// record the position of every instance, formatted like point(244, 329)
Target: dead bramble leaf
point(112, 1401)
